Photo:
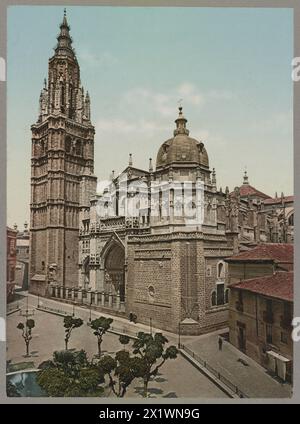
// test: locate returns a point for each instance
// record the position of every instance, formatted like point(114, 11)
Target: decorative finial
point(15, 227)
point(150, 165)
point(130, 159)
point(246, 180)
point(65, 12)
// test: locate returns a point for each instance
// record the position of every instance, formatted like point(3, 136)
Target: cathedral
point(152, 246)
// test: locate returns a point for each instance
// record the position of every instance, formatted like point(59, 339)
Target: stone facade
point(260, 323)
point(261, 305)
point(168, 270)
point(62, 158)
point(22, 248)
point(144, 247)
point(11, 260)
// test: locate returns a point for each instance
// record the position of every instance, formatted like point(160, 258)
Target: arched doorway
point(114, 271)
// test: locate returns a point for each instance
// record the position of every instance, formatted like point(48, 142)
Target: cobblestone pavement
point(178, 378)
point(253, 379)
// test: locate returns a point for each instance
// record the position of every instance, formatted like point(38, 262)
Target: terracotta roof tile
point(277, 200)
point(278, 252)
point(248, 190)
point(279, 285)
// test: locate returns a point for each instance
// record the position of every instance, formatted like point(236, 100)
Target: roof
point(277, 252)
point(249, 190)
point(277, 200)
point(279, 285)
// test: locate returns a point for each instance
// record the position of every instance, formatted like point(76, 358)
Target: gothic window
point(78, 148)
point(226, 295)
point(221, 270)
point(291, 220)
point(68, 144)
point(220, 294)
point(214, 298)
point(62, 99)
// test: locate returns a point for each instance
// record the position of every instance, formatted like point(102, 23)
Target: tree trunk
point(27, 348)
point(99, 347)
point(66, 343)
point(145, 388)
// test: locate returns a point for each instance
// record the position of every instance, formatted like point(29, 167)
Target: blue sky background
point(231, 67)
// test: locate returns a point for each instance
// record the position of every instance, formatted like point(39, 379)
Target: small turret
point(130, 163)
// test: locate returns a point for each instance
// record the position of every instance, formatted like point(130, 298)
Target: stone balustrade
point(88, 297)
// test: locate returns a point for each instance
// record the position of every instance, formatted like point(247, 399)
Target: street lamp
point(73, 311)
point(179, 329)
point(38, 301)
point(90, 317)
point(151, 326)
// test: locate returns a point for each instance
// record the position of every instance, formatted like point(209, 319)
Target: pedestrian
point(220, 343)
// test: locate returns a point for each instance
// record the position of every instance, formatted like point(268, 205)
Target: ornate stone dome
point(181, 149)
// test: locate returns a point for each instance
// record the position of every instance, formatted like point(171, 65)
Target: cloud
point(91, 59)
point(280, 122)
point(190, 94)
point(123, 126)
point(220, 95)
point(165, 103)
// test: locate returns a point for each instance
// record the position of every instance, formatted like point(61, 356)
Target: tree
point(150, 349)
point(100, 326)
point(11, 390)
point(26, 332)
point(70, 323)
point(121, 370)
point(124, 340)
point(70, 374)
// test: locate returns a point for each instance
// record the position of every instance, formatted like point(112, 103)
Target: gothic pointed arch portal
point(114, 270)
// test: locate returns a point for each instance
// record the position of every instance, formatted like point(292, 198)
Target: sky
point(230, 66)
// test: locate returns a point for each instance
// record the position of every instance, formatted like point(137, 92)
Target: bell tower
point(62, 156)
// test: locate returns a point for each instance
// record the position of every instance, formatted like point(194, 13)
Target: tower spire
point(64, 40)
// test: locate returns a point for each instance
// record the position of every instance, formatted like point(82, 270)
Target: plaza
point(177, 378)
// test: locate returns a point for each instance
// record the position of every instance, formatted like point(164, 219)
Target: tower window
point(220, 272)
point(220, 294)
point(78, 148)
point(213, 298)
point(226, 295)
point(68, 144)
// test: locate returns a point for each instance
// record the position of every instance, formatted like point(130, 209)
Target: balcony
point(239, 306)
point(268, 317)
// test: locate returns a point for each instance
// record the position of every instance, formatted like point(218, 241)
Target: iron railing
point(235, 389)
